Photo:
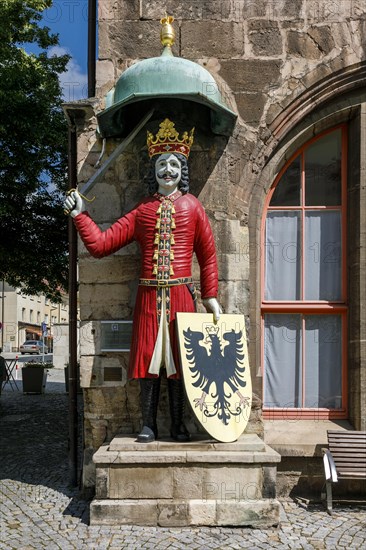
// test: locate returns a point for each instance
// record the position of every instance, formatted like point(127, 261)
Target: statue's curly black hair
point(152, 184)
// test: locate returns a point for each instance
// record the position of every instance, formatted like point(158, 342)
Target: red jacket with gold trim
point(188, 232)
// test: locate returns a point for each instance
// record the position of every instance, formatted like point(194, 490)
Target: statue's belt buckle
point(165, 283)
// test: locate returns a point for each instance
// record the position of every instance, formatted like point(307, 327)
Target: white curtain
point(282, 360)
point(282, 255)
point(323, 361)
point(283, 368)
point(323, 273)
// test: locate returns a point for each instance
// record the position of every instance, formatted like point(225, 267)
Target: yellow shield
point(216, 374)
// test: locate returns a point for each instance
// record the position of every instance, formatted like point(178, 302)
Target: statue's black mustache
point(170, 176)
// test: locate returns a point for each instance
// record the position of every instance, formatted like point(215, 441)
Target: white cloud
point(73, 81)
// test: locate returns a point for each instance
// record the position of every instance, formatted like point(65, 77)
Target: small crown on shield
point(212, 330)
point(167, 140)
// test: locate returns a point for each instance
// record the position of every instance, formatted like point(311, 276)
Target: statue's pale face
point(168, 173)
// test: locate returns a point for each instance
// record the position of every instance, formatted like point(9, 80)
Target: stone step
point(247, 442)
point(180, 513)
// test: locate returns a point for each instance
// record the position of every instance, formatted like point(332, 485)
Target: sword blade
point(118, 150)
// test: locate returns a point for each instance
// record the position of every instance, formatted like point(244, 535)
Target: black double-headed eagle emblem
point(218, 371)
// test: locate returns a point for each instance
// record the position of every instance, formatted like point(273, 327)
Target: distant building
point(22, 316)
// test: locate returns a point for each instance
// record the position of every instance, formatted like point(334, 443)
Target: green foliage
point(33, 152)
point(39, 365)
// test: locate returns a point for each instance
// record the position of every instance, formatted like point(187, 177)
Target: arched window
point(304, 290)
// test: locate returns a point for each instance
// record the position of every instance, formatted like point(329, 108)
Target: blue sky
point(69, 19)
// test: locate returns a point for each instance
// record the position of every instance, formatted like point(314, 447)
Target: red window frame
point(303, 307)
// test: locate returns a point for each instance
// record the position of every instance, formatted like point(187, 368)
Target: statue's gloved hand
point(212, 305)
point(74, 204)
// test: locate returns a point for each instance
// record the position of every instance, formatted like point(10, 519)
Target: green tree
point(33, 152)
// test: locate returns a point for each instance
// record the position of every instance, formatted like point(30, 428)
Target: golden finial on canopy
point(167, 34)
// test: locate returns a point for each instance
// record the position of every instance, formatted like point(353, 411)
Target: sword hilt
point(66, 211)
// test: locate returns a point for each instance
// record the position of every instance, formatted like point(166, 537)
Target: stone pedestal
point(174, 484)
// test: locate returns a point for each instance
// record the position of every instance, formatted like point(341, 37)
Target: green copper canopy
point(151, 82)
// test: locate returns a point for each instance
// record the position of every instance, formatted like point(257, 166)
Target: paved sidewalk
point(39, 511)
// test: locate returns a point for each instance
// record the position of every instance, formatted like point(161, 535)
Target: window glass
point(287, 192)
point(323, 171)
point(323, 274)
point(303, 260)
point(283, 255)
point(323, 360)
point(282, 360)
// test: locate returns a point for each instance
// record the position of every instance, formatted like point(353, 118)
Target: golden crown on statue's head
point(167, 140)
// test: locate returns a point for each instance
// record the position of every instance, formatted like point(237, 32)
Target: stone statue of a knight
point(169, 225)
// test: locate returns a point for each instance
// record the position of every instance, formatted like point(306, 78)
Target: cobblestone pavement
point(38, 510)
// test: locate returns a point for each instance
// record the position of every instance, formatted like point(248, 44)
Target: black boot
point(150, 388)
point(178, 431)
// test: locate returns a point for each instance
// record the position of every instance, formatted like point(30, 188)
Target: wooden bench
point(344, 459)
